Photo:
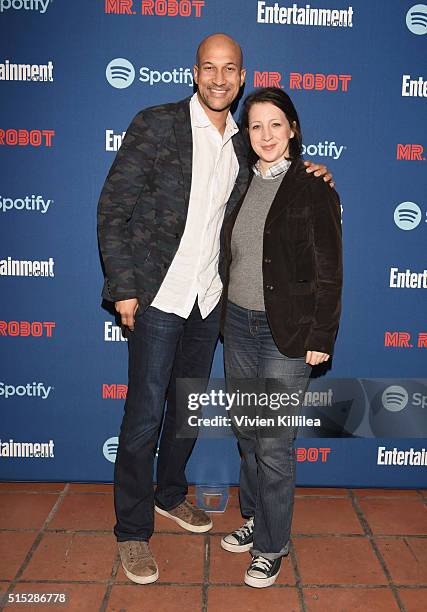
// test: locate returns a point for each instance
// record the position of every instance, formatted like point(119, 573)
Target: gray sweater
point(246, 286)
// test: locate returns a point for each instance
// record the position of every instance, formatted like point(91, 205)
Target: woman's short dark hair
point(279, 98)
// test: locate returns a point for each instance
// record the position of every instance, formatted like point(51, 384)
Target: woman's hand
point(314, 357)
point(320, 170)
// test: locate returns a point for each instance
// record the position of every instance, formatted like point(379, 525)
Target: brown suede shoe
point(187, 516)
point(138, 562)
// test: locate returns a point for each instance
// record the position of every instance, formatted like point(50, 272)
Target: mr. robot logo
point(114, 391)
point(267, 79)
point(319, 82)
point(26, 138)
point(403, 339)
point(312, 454)
point(159, 8)
point(410, 152)
point(36, 329)
point(308, 81)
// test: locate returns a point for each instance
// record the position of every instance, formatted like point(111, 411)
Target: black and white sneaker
point(262, 572)
point(240, 540)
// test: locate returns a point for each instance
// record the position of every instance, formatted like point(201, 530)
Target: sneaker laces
point(245, 530)
point(261, 563)
point(138, 550)
point(134, 549)
point(185, 510)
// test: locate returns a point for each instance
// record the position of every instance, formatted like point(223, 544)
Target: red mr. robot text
point(312, 454)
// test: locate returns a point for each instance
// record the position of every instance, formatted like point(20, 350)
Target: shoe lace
point(134, 549)
point(138, 550)
point(246, 529)
point(261, 563)
point(185, 509)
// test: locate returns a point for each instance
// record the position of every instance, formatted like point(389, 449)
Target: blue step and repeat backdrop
point(72, 76)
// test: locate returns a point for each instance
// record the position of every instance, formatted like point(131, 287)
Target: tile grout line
point(299, 492)
point(298, 581)
point(116, 583)
point(372, 587)
point(220, 533)
point(35, 544)
point(364, 522)
point(159, 584)
point(53, 492)
point(110, 584)
point(22, 492)
point(409, 536)
point(206, 573)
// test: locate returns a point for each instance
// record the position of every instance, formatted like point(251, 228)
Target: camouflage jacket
point(144, 202)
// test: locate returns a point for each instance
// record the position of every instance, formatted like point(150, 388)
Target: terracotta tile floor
point(352, 550)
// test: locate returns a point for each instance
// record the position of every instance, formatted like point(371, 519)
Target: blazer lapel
point(231, 219)
point(184, 140)
point(241, 152)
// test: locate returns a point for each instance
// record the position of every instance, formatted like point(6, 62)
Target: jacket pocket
point(302, 287)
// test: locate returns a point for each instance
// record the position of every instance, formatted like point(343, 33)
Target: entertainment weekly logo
point(155, 8)
point(113, 333)
point(23, 267)
point(113, 140)
point(407, 279)
point(304, 16)
point(403, 339)
point(26, 138)
point(410, 152)
point(25, 329)
point(308, 81)
point(414, 88)
point(401, 457)
point(41, 73)
point(28, 450)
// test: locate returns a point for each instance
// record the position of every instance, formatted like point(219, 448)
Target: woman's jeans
point(267, 471)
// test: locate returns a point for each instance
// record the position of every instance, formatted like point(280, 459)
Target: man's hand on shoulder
point(320, 170)
point(127, 310)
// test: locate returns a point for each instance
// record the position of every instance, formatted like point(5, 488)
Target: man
point(180, 168)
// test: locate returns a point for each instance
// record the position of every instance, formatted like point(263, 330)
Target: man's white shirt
point(194, 269)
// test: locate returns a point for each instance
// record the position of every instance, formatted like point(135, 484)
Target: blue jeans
point(162, 348)
point(267, 471)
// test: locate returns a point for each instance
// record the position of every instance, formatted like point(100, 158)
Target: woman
point(281, 307)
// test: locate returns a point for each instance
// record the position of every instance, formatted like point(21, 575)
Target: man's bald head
point(219, 40)
point(219, 75)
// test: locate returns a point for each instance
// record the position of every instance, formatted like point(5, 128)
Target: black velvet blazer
point(302, 263)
